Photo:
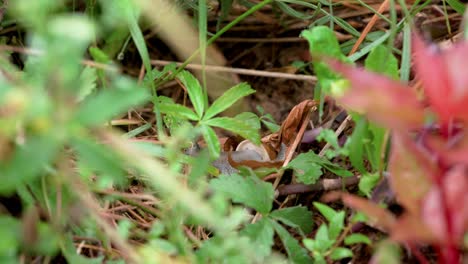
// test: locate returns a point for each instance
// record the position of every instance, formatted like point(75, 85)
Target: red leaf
point(410, 171)
point(385, 101)
point(377, 215)
point(444, 78)
point(409, 228)
point(456, 189)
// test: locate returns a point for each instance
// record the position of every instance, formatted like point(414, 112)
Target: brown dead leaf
point(289, 128)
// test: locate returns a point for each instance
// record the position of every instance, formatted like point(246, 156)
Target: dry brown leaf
point(289, 129)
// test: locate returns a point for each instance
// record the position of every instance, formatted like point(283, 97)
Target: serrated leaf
point(108, 103)
point(368, 182)
point(341, 253)
point(306, 171)
point(177, 110)
point(357, 238)
point(245, 125)
point(249, 191)
point(228, 99)
point(211, 141)
point(325, 210)
point(381, 60)
point(297, 217)
point(336, 225)
point(261, 234)
point(194, 90)
point(296, 253)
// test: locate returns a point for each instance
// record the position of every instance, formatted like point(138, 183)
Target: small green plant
point(246, 125)
point(328, 238)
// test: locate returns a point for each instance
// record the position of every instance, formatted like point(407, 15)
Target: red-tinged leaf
point(410, 171)
point(432, 72)
point(433, 214)
point(456, 189)
point(378, 217)
point(450, 153)
point(385, 101)
point(409, 228)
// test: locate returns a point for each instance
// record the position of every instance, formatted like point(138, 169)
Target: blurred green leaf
point(228, 99)
point(336, 225)
point(297, 217)
point(10, 242)
point(357, 238)
point(323, 42)
point(322, 240)
point(249, 191)
point(27, 162)
point(368, 182)
point(341, 253)
point(325, 210)
point(356, 144)
point(457, 6)
point(296, 253)
point(261, 233)
point(99, 158)
point(108, 103)
point(87, 80)
point(381, 60)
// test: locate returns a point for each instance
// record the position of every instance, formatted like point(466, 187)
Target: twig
point(299, 77)
point(321, 185)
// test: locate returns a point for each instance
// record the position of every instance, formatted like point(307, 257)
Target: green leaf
point(356, 144)
point(88, 80)
point(261, 234)
point(228, 99)
point(387, 252)
point(194, 90)
point(99, 55)
point(245, 125)
point(95, 157)
point(306, 171)
point(357, 238)
point(10, 230)
point(177, 110)
point(381, 60)
point(27, 162)
point(341, 253)
point(457, 6)
point(108, 103)
point(296, 253)
point(322, 240)
point(336, 225)
point(211, 141)
point(297, 217)
point(250, 191)
point(325, 210)
point(323, 42)
point(368, 182)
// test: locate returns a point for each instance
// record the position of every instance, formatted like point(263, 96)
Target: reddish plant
point(428, 159)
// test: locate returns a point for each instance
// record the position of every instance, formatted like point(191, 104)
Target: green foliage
point(325, 244)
